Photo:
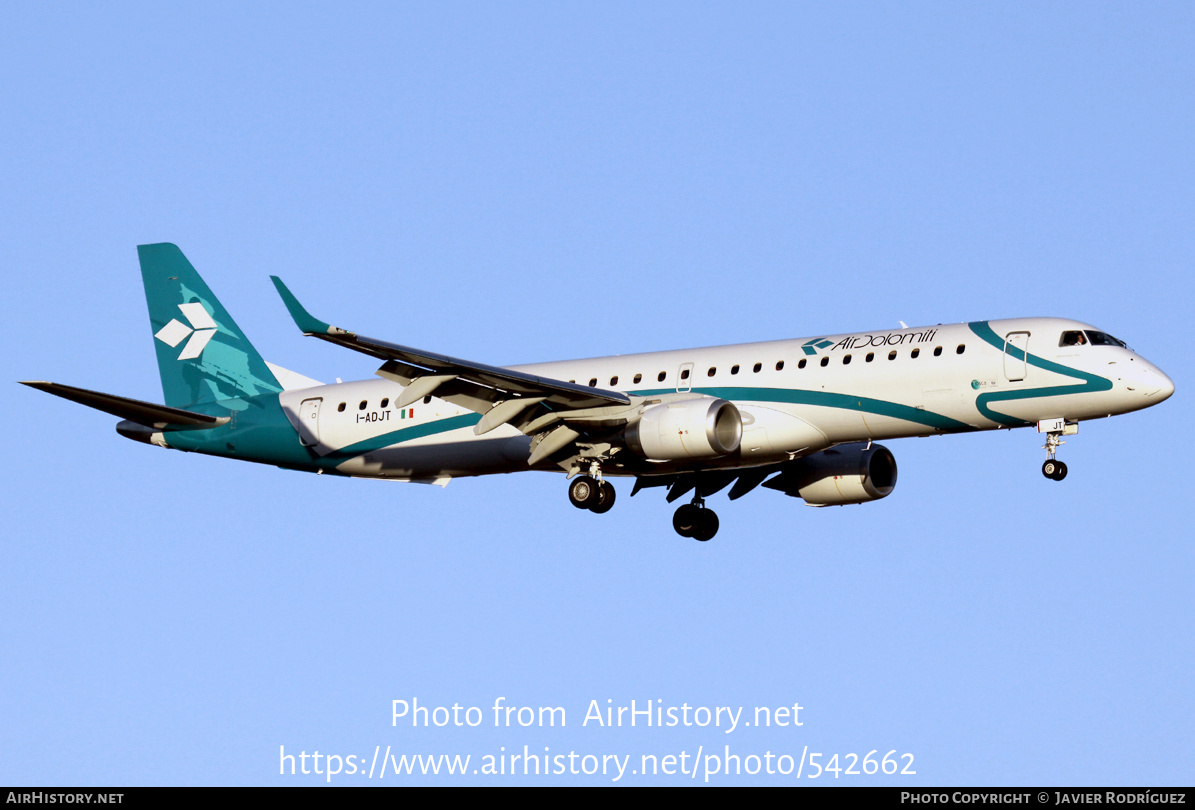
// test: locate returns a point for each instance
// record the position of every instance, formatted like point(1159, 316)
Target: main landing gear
point(694, 520)
point(588, 492)
point(691, 520)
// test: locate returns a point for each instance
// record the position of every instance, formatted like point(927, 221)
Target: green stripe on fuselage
point(761, 395)
point(1091, 382)
point(825, 399)
point(261, 432)
point(402, 435)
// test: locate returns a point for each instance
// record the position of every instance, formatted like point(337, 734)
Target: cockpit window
point(1104, 339)
point(1072, 339)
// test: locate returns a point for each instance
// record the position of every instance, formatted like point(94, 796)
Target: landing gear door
point(309, 422)
point(1016, 356)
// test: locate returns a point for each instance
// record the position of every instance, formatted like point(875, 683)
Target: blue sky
point(541, 181)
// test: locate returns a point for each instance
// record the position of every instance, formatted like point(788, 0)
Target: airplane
point(798, 416)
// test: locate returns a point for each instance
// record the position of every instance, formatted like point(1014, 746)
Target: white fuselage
point(795, 396)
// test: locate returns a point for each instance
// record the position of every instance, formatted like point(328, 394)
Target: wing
point(555, 411)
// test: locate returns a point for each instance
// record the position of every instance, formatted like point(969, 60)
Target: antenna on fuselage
point(903, 325)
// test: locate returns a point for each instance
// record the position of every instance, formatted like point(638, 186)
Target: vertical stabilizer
point(203, 356)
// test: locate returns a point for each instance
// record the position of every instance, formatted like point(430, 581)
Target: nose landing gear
point(1055, 429)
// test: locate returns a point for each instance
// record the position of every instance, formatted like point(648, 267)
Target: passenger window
point(780, 366)
point(870, 356)
point(757, 367)
point(801, 363)
point(892, 354)
point(825, 362)
point(713, 370)
point(341, 408)
point(663, 374)
point(846, 360)
point(638, 379)
point(684, 375)
point(427, 400)
point(363, 404)
point(385, 402)
point(593, 382)
point(915, 353)
point(734, 369)
point(614, 381)
point(937, 351)
point(962, 347)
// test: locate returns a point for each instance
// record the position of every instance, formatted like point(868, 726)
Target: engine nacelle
point(694, 427)
point(848, 473)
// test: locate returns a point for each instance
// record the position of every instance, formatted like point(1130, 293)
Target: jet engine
point(694, 427)
point(848, 473)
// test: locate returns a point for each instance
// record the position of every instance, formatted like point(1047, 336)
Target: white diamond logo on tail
point(201, 331)
point(173, 333)
point(196, 344)
point(198, 316)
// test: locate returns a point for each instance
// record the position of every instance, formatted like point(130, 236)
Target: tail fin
point(203, 356)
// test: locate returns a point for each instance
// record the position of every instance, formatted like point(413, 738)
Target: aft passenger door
point(1016, 356)
point(309, 422)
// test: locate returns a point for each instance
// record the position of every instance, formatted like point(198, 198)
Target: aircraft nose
point(1165, 389)
point(1154, 384)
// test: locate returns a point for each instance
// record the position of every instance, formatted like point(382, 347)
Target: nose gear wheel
point(1052, 468)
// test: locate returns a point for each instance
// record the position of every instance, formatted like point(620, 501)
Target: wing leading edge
point(533, 404)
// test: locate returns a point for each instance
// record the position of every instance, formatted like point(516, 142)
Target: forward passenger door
point(1016, 356)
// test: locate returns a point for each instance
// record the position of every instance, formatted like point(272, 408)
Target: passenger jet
point(799, 416)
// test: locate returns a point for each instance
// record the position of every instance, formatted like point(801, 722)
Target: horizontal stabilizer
point(158, 417)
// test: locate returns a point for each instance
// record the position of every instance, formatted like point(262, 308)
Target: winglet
point(307, 323)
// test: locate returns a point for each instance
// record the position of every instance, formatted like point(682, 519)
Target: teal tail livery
point(203, 356)
point(800, 416)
